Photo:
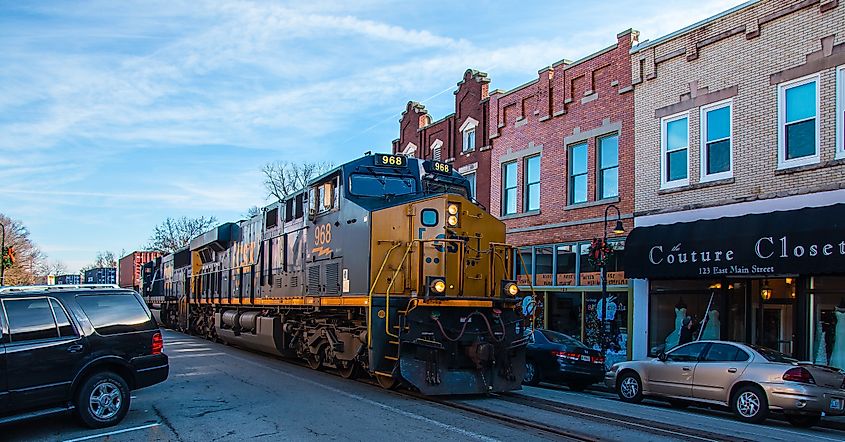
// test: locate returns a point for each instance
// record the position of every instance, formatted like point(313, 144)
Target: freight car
point(382, 265)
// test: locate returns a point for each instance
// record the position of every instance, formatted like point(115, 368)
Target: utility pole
point(2, 253)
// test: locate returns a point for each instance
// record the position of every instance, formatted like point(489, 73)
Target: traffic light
point(8, 258)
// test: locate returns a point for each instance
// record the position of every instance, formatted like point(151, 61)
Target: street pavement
point(221, 393)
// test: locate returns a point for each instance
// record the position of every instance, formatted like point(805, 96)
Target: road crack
point(167, 423)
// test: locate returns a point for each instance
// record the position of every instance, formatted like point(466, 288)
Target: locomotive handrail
point(389, 286)
point(370, 296)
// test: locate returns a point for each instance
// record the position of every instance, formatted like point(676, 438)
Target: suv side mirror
point(662, 356)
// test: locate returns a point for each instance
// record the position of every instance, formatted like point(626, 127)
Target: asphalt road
point(220, 393)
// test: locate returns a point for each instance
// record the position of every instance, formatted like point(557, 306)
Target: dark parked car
point(559, 358)
point(75, 349)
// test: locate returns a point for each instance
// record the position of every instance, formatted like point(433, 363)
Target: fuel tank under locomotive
point(462, 350)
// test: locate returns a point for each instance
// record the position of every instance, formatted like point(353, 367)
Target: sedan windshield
point(381, 185)
point(560, 338)
point(773, 356)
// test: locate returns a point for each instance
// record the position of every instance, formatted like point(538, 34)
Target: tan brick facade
point(742, 55)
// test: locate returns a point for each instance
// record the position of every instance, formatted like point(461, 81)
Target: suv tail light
point(799, 374)
point(158, 344)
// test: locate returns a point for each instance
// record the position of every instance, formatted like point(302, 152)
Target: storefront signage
point(805, 241)
point(566, 279)
point(544, 279)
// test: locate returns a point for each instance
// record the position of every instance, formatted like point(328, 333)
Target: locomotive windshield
point(436, 184)
point(381, 185)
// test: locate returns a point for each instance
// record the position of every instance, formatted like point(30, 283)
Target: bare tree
point(28, 258)
point(281, 178)
point(54, 267)
point(174, 233)
point(251, 212)
point(104, 259)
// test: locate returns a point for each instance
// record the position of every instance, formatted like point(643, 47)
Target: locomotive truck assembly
point(383, 265)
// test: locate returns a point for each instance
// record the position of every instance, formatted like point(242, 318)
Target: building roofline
point(521, 86)
point(649, 43)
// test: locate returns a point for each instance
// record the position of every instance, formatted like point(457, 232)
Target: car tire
point(749, 404)
point(103, 400)
point(629, 387)
point(577, 386)
point(803, 420)
point(532, 375)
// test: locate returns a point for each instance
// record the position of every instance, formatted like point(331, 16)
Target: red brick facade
point(420, 137)
point(569, 103)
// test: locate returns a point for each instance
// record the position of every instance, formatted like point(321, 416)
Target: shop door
point(774, 314)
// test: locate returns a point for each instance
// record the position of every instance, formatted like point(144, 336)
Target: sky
point(116, 115)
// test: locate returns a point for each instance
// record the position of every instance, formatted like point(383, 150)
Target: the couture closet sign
point(805, 241)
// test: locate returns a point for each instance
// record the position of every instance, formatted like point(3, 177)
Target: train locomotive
point(383, 265)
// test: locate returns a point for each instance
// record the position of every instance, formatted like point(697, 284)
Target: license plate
point(836, 404)
point(585, 358)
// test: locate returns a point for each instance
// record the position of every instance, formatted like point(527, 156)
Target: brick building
point(740, 160)
point(458, 138)
point(562, 155)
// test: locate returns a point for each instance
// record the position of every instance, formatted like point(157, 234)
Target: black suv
point(75, 348)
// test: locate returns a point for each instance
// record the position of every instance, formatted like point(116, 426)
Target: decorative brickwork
point(569, 102)
point(417, 128)
point(744, 54)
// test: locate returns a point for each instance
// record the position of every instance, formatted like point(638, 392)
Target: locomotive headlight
point(452, 220)
point(453, 209)
point(438, 286)
point(509, 288)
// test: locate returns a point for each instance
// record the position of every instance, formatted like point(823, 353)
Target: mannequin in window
point(713, 327)
point(837, 356)
point(680, 314)
point(821, 347)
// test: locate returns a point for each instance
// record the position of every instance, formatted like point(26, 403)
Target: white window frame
point(474, 189)
point(469, 126)
point(840, 109)
point(437, 150)
point(410, 150)
point(664, 184)
point(702, 156)
point(783, 163)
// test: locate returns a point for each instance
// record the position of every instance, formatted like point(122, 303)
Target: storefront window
point(828, 310)
point(565, 265)
point(613, 337)
point(672, 301)
point(565, 313)
point(523, 266)
point(543, 266)
point(590, 274)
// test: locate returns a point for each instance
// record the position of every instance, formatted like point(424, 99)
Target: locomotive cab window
point(324, 196)
point(381, 185)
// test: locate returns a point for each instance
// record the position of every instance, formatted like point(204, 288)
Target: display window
point(828, 310)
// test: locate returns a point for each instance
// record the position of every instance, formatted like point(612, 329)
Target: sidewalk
point(832, 422)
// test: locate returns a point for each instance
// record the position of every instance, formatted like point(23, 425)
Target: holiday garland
point(600, 252)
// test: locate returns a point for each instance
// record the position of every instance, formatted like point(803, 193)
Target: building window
point(578, 173)
point(608, 176)
point(471, 178)
point(469, 139)
point(674, 147)
point(532, 183)
point(716, 141)
point(509, 188)
point(798, 128)
point(840, 112)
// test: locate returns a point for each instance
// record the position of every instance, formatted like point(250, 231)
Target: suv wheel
point(629, 387)
point(103, 400)
point(750, 404)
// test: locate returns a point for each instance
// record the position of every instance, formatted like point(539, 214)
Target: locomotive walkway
point(219, 393)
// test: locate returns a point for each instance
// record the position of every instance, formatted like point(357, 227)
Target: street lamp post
point(617, 229)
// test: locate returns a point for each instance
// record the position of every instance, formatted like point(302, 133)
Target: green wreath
point(600, 252)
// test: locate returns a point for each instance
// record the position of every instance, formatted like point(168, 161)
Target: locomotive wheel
point(348, 369)
point(315, 361)
point(387, 382)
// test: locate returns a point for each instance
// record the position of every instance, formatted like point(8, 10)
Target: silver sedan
point(751, 380)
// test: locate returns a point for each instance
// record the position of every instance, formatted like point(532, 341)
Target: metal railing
point(58, 287)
